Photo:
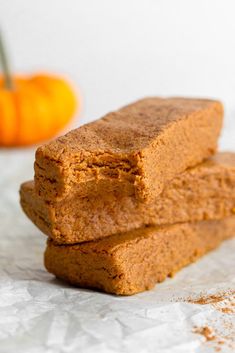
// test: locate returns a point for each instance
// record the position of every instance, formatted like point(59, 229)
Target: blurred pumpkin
point(34, 108)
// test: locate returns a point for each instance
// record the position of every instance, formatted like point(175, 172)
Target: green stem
point(8, 83)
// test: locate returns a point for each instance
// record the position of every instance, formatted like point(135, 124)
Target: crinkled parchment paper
point(41, 314)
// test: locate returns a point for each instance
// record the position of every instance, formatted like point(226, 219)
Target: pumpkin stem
point(8, 83)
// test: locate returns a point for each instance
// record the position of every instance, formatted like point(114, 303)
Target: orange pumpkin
point(33, 109)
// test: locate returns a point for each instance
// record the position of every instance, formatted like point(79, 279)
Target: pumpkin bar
point(134, 150)
point(206, 191)
point(132, 262)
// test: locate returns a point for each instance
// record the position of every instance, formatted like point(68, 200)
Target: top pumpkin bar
point(134, 150)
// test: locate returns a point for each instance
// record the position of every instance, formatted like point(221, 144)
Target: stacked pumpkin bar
point(131, 198)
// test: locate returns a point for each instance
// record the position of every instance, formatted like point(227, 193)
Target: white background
point(118, 51)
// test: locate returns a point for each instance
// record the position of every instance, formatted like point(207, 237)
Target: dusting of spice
point(206, 332)
point(227, 310)
point(212, 298)
point(207, 300)
point(224, 303)
point(210, 335)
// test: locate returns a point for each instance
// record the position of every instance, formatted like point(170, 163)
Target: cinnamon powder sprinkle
point(207, 300)
point(227, 310)
point(225, 303)
point(206, 332)
point(212, 299)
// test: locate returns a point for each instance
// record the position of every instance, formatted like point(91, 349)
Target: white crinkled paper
point(41, 314)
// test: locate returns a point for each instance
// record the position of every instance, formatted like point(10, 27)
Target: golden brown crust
point(206, 191)
point(132, 262)
point(124, 150)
